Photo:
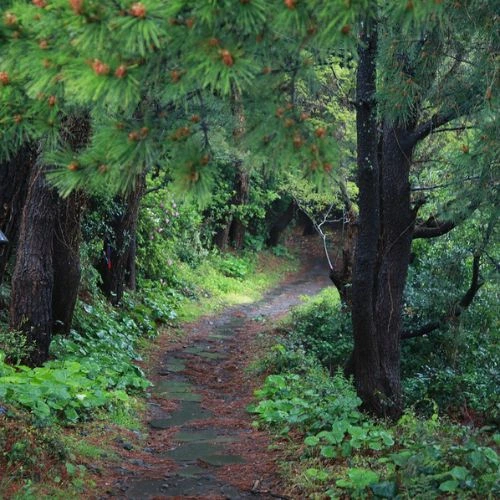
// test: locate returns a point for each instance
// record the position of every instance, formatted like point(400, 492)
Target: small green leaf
point(459, 473)
point(70, 468)
point(311, 440)
point(449, 486)
point(328, 452)
point(316, 474)
point(385, 489)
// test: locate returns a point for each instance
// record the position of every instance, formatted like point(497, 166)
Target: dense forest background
point(149, 150)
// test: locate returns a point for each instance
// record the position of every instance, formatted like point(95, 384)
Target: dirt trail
point(201, 442)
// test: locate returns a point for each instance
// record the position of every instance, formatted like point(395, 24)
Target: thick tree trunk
point(33, 279)
point(67, 235)
point(394, 259)
point(14, 176)
point(114, 269)
point(383, 247)
point(66, 264)
point(279, 224)
point(365, 361)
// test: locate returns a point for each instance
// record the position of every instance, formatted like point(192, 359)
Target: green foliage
point(415, 456)
point(95, 363)
point(233, 266)
point(321, 328)
point(14, 345)
point(168, 231)
point(156, 303)
point(456, 366)
point(25, 449)
point(309, 400)
point(62, 390)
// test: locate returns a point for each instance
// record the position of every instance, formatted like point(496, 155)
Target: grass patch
point(246, 282)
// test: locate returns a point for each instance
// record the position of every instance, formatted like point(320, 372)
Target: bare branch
point(453, 129)
point(447, 184)
point(426, 128)
point(424, 330)
point(432, 228)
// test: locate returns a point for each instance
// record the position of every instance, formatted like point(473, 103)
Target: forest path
point(201, 442)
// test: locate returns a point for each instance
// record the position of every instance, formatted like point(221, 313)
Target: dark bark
point(308, 228)
point(132, 269)
point(66, 262)
point(242, 184)
point(341, 270)
point(221, 238)
point(67, 235)
point(365, 359)
point(394, 258)
point(424, 129)
point(432, 228)
point(33, 278)
point(237, 229)
point(118, 248)
point(14, 175)
point(279, 223)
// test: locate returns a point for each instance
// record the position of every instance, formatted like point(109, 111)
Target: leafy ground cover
point(336, 450)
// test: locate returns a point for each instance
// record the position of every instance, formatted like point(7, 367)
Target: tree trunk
point(14, 176)
point(242, 184)
point(67, 272)
point(394, 259)
point(131, 266)
point(238, 227)
point(280, 223)
point(114, 269)
point(33, 279)
point(221, 238)
point(383, 248)
point(366, 356)
point(67, 235)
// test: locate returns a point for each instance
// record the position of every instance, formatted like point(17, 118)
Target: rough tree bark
point(14, 176)
point(279, 222)
point(47, 271)
point(365, 363)
point(67, 236)
point(66, 261)
point(386, 227)
point(33, 277)
point(221, 237)
point(114, 271)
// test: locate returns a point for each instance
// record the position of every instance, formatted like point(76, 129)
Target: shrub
point(322, 328)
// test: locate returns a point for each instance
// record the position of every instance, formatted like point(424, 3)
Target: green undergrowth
point(219, 281)
point(333, 450)
point(95, 366)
